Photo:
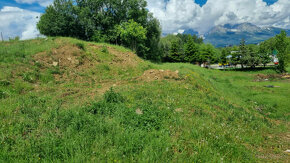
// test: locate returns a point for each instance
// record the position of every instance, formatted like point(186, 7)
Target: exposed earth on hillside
point(64, 99)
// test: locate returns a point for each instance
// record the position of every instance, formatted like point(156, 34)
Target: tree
point(281, 45)
point(242, 53)
point(264, 53)
point(175, 55)
point(58, 20)
point(132, 35)
point(153, 38)
point(224, 54)
point(251, 58)
point(165, 46)
point(96, 20)
point(206, 54)
point(191, 51)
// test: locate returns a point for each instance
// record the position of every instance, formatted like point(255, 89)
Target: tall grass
point(12, 51)
point(205, 116)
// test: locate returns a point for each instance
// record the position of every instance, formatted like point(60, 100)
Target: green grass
point(205, 116)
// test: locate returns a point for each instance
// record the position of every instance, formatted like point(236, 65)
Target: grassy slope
point(61, 113)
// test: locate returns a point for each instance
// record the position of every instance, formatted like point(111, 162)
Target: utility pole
point(2, 37)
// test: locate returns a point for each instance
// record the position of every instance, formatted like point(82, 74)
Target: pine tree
point(175, 54)
point(242, 53)
point(191, 51)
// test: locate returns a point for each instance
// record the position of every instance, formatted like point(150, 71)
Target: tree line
point(252, 55)
point(187, 48)
point(129, 23)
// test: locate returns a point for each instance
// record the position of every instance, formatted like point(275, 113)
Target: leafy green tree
point(224, 54)
point(191, 51)
point(165, 46)
point(58, 20)
point(96, 20)
point(251, 59)
point(153, 38)
point(132, 35)
point(264, 53)
point(206, 54)
point(281, 45)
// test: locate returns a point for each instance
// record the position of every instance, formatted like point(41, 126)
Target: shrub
point(113, 97)
point(80, 46)
point(105, 50)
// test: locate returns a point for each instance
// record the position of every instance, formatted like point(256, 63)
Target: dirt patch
point(264, 77)
point(66, 62)
point(151, 75)
point(65, 57)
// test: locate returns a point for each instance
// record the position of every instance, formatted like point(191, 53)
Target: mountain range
point(231, 34)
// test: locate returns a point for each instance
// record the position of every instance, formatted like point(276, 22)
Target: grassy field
point(63, 99)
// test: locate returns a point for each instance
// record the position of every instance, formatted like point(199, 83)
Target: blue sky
point(19, 17)
point(32, 7)
point(38, 8)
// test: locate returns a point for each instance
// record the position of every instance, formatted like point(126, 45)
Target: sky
point(19, 17)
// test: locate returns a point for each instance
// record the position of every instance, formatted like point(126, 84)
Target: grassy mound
point(68, 100)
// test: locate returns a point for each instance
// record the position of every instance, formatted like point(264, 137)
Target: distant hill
point(231, 34)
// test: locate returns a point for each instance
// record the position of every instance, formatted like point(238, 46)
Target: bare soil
point(264, 77)
point(151, 75)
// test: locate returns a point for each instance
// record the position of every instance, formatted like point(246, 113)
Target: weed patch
point(80, 45)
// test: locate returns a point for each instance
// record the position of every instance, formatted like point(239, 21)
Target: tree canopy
point(97, 20)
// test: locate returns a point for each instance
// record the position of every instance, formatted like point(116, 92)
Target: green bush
point(105, 50)
point(113, 97)
point(80, 45)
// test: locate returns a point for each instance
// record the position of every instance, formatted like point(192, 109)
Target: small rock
point(287, 151)
point(139, 111)
point(266, 79)
point(55, 64)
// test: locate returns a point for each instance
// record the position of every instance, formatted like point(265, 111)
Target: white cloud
point(43, 3)
point(182, 14)
point(18, 22)
point(174, 15)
